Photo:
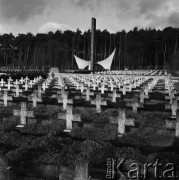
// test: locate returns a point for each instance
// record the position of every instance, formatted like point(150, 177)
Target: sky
point(22, 16)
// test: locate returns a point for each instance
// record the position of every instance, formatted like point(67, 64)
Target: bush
point(8, 125)
point(19, 99)
point(6, 111)
point(94, 133)
point(130, 153)
point(49, 111)
point(38, 129)
point(15, 139)
point(50, 157)
point(17, 154)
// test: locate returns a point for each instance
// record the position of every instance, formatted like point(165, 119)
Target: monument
point(106, 63)
point(93, 30)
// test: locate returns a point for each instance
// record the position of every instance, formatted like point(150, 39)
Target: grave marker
point(5, 170)
point(17, 90)
point(2, 82)
point(98, 102)
point(69, 117)
point(102, 88)
point(81, 171)
point(35, 99)
point(65, 100)
point(88, 94)
point(23, 113)
point(6, 98)
point(115, 95)
point(9, 85)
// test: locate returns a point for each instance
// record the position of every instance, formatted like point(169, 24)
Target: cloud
point(173, 19)
point(132, 12)
point(125, 8)
point(21, 10)
point(52, 26)
point(110, 14)
point(93, 6)
point(1, 28)
point(148, 6)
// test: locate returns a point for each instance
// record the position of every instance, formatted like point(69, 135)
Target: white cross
point(124, 90)
point(64, 99)
point(94, 86)
point(69, 117)
point(18, 90)
point(98, 102)
point(21, 80)
point(16, 82)
point(35, 80)
point(82, 87)
point(122, 121)
point(9, 85)
point(88, 94)
point(23, 113)
point(2, 82)
point(26, 78)
point(6, 98)
point(142, 96)
point(31, 83)
point(115, 95)
point(25, 86)
point(35, 99)
point(134, 104)
point(103, 89)
point(40, 91)
point(173, 106)
point(44, 86)
point(112, 86)
point(10, 79)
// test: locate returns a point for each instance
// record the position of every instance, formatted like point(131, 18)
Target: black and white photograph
point(89, 89)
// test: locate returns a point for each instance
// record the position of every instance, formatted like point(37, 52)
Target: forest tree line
point(138, 48)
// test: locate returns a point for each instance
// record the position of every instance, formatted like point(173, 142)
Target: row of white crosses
point(173, 105)
point(136, 72)
point(81, 80)
point(103, 86)
point(10, 83)
point(17, 90)
point(69, 117)
point(121, 119)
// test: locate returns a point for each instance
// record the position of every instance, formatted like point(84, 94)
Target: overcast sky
point(22, 16)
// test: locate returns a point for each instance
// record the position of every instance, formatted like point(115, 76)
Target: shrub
point(94, 133)
point(6, 111)
point(8, 125)
point(130, 153)
point(38, 129)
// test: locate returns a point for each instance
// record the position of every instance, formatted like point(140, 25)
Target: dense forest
point(138, 48)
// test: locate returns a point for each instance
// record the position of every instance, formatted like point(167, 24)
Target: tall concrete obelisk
point(93, 30)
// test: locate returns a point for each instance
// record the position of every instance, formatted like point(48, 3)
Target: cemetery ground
point(46, 143)
point(52, 140)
